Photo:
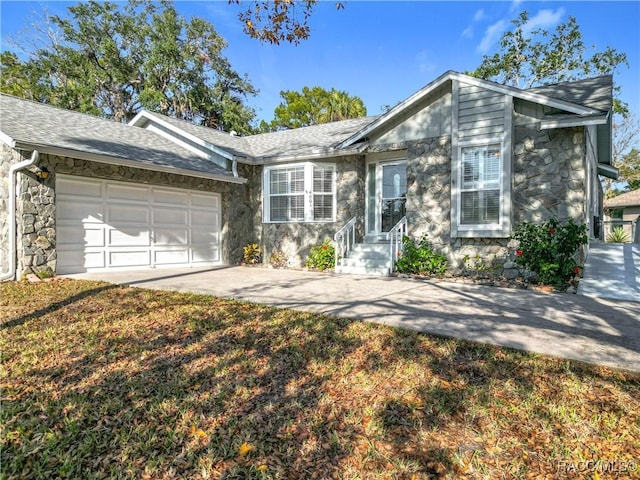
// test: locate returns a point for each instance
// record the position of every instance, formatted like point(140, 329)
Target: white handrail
point(395, 236)
point(344, 240)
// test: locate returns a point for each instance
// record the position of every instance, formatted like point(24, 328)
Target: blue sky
point(385, 51)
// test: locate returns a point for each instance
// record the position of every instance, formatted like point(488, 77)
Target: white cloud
point(491, 34)
point(479, 15)
point(515, 5)
point(468, 32)
point(544, 19)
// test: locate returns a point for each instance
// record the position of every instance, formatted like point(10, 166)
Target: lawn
point(103, 381)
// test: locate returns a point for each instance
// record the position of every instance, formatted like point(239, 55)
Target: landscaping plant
point(420, 258)
point(618, 235)
point(549, 249)
point(322, 257)
point(252, 253)
point(278, 259)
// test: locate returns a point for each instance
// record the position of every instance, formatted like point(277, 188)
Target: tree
point(312, 106)
point(115, 59)
point(624, 155)
point(630, 169)
point(275, 21)
point(529, 59)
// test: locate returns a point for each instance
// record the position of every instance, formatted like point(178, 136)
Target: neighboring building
point(462, 161)
point(623, 211)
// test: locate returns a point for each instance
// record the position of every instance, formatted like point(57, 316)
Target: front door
point(386, 196)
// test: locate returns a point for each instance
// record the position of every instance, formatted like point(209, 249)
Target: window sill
point(482, 233)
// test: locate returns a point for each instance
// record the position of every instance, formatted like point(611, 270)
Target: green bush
point(420, 258)
point(549, 249)
point(618, 235)
point(322, 257)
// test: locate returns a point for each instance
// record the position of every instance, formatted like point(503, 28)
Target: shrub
point(420, 258)
point(549, 249)
point(618, 235)
point(322, 257)
point(278, 259)
point(252, 253)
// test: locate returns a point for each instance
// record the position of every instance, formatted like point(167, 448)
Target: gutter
point(11, 253)
point(94, 157)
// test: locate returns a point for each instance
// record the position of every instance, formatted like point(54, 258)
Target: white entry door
point(104, 224)
point(386, 196)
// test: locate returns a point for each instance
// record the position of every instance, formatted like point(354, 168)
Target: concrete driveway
point(594, 330)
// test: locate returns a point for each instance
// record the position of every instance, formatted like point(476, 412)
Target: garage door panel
point(127, 238)
point(79, 211)
point(171, 237)
point(204, 237)
point(205, 255)
point(91, 236)
point(74, 260)
point(171, 257)
point(129, 258)
point(171, 197)
point(204, 218)
point(125, 213)
point(104, 224)
point(84, 187)
point(201, 200)
point(116, 191)
point(170, 216)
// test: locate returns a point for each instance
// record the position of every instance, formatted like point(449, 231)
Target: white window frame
point(479, 144)
point(308, 192)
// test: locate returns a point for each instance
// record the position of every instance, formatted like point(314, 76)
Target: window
point(480, 192)
point(299, 193)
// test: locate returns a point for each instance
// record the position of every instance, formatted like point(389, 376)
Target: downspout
point(11, 252)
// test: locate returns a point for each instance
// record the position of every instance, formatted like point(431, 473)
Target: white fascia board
point(525, 95)
point(308, 157)
point(577, 121)
point(123, 162)
point(152, 118)
point(7, 140)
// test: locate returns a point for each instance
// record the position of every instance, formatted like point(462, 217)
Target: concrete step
point(367, 259)
point(362, 270)
point(367, 262)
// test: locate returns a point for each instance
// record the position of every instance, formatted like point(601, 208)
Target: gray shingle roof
point(236, 145)
point(628, 199)
point(591, 92)
point(310, 140)
point(38, 125)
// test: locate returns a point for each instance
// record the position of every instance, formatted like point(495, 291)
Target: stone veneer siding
point(296, 239)
point(37, 216)
point(8, 157)
point(548, 180)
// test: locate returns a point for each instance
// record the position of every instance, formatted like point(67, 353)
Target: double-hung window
point(480, 186)
point(299, 193)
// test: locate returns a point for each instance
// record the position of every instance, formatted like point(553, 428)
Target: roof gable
point(530, 95)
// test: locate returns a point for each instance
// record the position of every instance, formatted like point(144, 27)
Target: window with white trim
point(299, 193)
point(480, 186)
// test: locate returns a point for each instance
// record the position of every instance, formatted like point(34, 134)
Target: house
point(462, 161)
point(623, 211)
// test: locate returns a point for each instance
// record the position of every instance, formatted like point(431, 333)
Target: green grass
point(101, 381)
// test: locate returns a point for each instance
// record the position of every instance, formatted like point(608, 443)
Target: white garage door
point(103, 224)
